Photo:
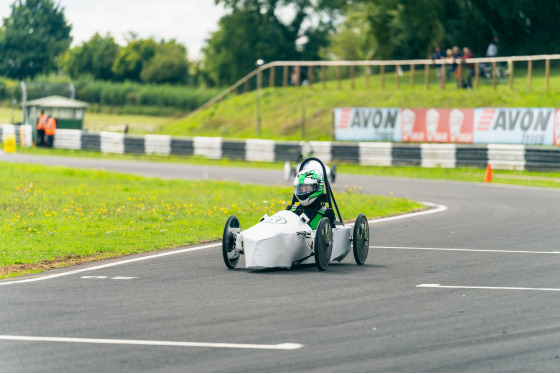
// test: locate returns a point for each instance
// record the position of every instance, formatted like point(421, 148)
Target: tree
point(95, 57)
point(35, 34)
point(409, 29)
point(406, 29)
point(353, 39)
point(255, 30)
point(244, 37)
point(169, 64)
point(130, 59)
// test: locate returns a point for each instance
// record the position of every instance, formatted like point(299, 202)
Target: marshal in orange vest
point(42, 121)
point(50, 127)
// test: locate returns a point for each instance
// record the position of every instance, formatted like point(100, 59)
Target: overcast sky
point(188, 21)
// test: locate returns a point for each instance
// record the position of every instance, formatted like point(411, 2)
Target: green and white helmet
point(308, 186)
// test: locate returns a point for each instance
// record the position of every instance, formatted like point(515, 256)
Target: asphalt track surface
point(474, 288)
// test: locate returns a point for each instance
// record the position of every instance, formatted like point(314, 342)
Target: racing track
point(473, 288)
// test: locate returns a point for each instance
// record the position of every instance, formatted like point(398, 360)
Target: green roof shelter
point(69, 113)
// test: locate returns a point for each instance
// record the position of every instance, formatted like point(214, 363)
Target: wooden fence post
point(366, 72)
point(271, 77)
point(339, 85)
point(297, 76)
point(476, 75)
point(382, 76)
point(397, 76)
point(494, 74)
point(443, 76)
point(324, 77)
point(547, 73)
point(285, 76)
point(412, 75)
point(529, 72)
point(427, 76)
point(246, 86)
point(510, 63)
point(352, 77)
point(310, 75)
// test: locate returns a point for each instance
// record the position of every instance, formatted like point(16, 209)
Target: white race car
point(286, 239)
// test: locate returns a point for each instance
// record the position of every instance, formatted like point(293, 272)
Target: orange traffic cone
point(488, 176)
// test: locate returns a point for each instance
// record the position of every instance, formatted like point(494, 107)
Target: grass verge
point(470, 174)
point(53, 216)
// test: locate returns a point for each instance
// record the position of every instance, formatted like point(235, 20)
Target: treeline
point(141, 60)
point(136, 97)
point(35, 37)
point(374, 29)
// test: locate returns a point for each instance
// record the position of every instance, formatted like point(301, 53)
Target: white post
point(23, 102)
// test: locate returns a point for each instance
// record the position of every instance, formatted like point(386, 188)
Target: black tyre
point(360, 243)
point(230, 253)
point(323, 244)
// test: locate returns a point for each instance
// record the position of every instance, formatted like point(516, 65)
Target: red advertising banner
point(437, 125)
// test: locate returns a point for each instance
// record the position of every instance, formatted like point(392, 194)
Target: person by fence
point(457, 67)
point(467, 54)
point(50, 129)
point(41, 123)
point(438, 55)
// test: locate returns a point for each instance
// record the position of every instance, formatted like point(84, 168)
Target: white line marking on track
point(283, 346)
point(143, 258)
point(488, 288)
point(95, 277)
point(437, 208)
point(123, 278)
point(467, 250)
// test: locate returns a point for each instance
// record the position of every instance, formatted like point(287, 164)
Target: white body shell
point(275, 242)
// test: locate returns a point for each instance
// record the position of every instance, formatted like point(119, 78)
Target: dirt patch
point(68, 260)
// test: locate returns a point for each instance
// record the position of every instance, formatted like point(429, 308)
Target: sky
point(190, 22)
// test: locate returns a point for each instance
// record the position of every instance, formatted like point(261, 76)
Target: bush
point(135, 94)
point(136, 98)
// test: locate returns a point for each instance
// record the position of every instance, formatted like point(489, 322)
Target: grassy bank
point(53, 216)
point(284, 110)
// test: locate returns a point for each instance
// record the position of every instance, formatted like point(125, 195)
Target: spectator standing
point(50, 129)
point(493, 50)
point(41, 122)
point(457, 67)
point(449, 63)
point(467, 54)
point(438, 55)
point(493, 47)
point(294, 77)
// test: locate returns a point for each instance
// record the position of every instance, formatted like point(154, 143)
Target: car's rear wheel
point(323, 244)
point(360, 242)
point(231, 254)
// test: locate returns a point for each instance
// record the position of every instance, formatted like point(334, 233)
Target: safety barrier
point(500, 156)
point(21, 132)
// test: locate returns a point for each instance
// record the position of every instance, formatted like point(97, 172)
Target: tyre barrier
point(500, 156)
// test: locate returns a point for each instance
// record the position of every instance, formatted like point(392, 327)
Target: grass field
point(284, 110)
point(52, 216)
point(521, 178)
